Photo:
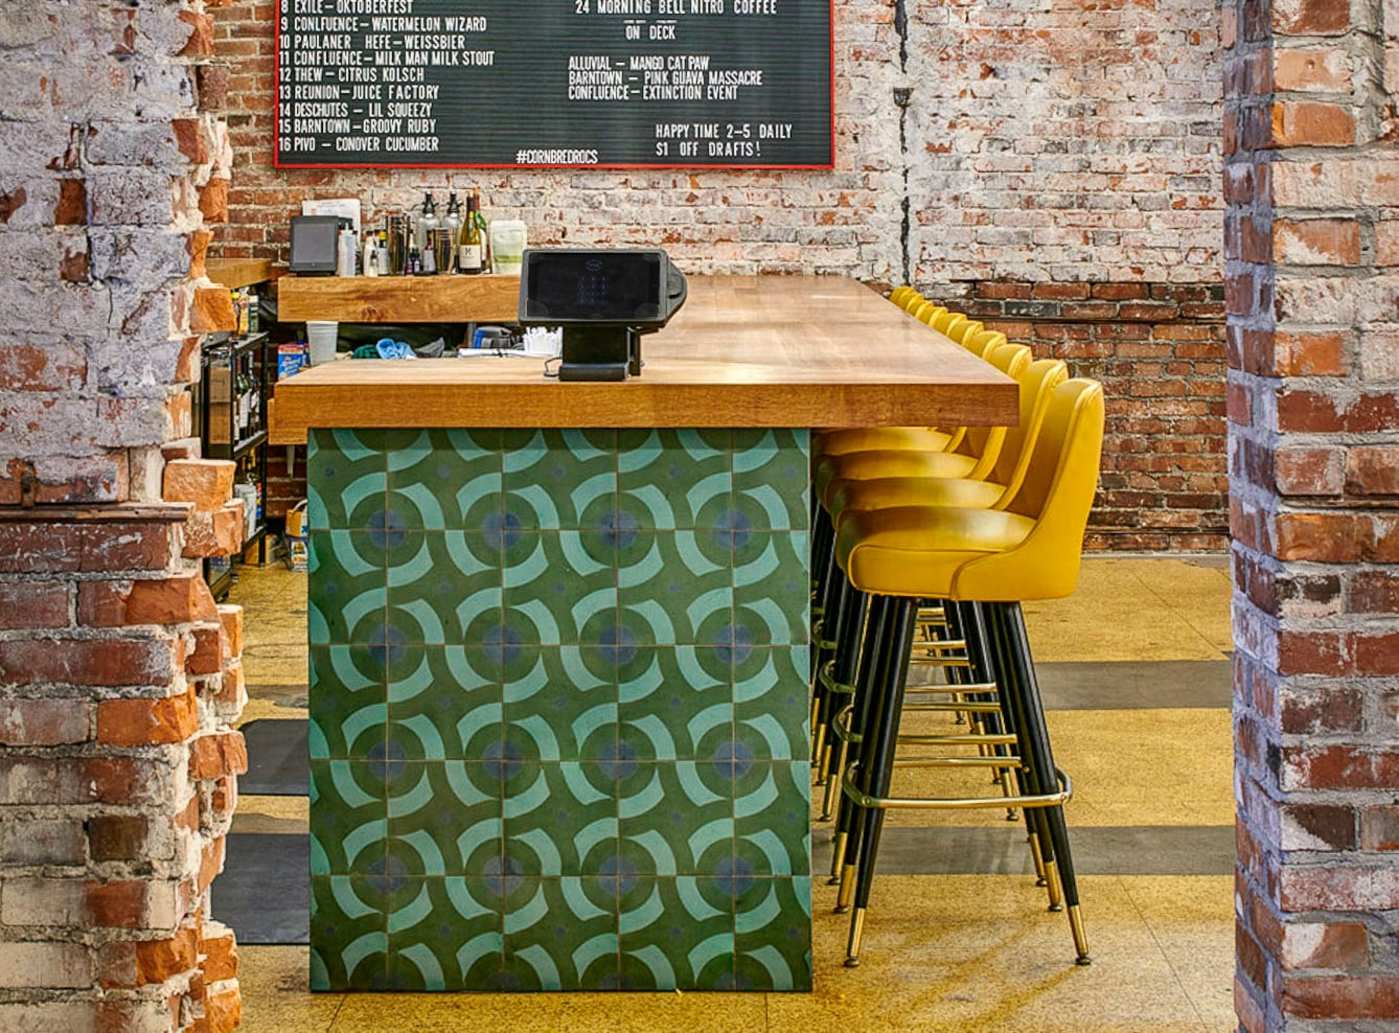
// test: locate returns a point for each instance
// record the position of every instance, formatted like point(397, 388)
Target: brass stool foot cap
point(841, 909)
point(1041, 882)
point(852, 962)
point(1083, 960)
point(1056, 908)
point(834, 880)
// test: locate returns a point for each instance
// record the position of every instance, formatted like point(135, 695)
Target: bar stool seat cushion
point(917, 551)
point(866, 466)
point(866, 439)
point(890, 492)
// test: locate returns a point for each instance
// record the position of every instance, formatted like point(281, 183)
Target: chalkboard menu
point(586, 83)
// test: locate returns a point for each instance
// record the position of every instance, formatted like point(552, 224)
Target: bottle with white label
point(470, 259)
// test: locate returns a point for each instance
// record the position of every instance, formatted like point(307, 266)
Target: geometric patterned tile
point(558, 710)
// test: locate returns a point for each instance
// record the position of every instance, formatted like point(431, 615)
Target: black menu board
point(548, 83)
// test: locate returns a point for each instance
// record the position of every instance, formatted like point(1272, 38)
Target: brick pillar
point(119, 677)
point(1312, 182)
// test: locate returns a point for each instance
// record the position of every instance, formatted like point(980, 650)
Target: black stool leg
point(881, 737)
point(843, 672)
point(1027, 686)
point(994, 635)
point(841, 600)
point(849, 816)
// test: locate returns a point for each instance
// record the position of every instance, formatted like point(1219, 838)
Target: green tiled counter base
point(558, 710)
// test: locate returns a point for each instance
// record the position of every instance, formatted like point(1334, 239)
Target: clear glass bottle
point(427, 222)
point(470, 253)
point(452, 223)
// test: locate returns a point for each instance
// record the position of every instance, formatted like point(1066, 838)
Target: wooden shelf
point(234, 273)
point(744, 352)
point(399, 299)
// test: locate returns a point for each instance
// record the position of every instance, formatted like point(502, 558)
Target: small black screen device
point(604, 301)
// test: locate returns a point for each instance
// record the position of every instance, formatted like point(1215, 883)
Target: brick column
point(1312, 182)
point(120, 679)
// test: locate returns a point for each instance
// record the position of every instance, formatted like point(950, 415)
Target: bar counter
point(560, 644)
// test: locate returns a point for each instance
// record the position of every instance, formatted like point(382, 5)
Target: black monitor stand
point(600, 353)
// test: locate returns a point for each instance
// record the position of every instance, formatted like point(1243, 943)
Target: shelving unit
point(216, 414)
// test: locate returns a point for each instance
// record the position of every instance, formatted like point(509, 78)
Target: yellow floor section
point(1137, 609)
point(954, 954)
point(943, 954)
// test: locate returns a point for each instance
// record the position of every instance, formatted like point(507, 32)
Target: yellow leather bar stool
point(900, 294)
point(834, 677)
point(985, 564)
point(913, 301)
point(975, 457)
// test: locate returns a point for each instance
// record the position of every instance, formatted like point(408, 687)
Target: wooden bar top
point(399, 299)
point(743, 352)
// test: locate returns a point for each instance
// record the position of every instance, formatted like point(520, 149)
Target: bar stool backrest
point(944, 319)
point(1012, 360)
point(953, 322)
point(900, 294)
point(913, 301)
point(980, 344)
point(922, 311)
point(967, 331)
point(1058, 494)
point(930, 312)
point(1037, 386)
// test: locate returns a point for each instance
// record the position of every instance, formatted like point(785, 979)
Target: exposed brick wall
point(1068, 145)
point(1158, 348)
point(1313, 408)
point(118, 681)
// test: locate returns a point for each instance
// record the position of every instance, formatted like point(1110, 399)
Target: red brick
point(1311, 123)
point(1323, 945)
point(213, 201)
point(167, 601)
point(231, 617)
point(220, 951)
point(1323, 537)
point(206, 657)
point(1341, 997)
point(142, 722)
point(159, 960)
point(33, 604)
point(1377, 654)
point(207, 483)
point(1373, 470)
point(212, 312)
point(58, 548)
point(1339, 767)
point(1310, 17)
point(217, 754)
point(1316, 241)
point(1305, 471)
point(210, 863)
point(1379, 830)
point(1373, 591)
point(223, 1010)
point(119, 837)
point(44, 722)
point(1317, 827)
point(1315, 69)
point(100, 662)
point(218, 532)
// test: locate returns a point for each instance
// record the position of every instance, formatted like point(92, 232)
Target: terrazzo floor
point(972, 947)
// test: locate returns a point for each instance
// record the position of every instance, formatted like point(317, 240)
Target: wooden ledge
point(116, 513)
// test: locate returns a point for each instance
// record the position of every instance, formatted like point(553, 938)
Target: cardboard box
point(296, 520)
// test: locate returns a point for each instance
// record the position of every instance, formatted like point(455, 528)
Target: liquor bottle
point(427, 222)
point(485, 230)
point(470, 261)
point(452, 223)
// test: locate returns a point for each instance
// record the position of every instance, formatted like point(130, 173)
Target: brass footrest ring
point(967, 803)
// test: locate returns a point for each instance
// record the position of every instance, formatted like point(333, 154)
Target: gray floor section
point(264, 893)
point(277, 758)
point(1097, 850)
point(1134, 685)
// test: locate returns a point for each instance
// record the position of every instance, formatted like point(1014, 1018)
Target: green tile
point(348, 478)
point(347, 587)
point(448, 480)
point(772, 470)
point(771, 817)
point(441, 584)
point(560, 586)
point(554, 477)
point(444, 818)
point(443, 935)
point(349, 817)
point(564, 822)
point(349, 934)
point(676, 819)
point(675, 478)
point(676, 702)
point(773, 935)
point(564, 707)
point(771, 591)
point(676, 933)
point(348, 702)
point(767, 725)
point(562, 936)
point(446, 709)
point(676, 588)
